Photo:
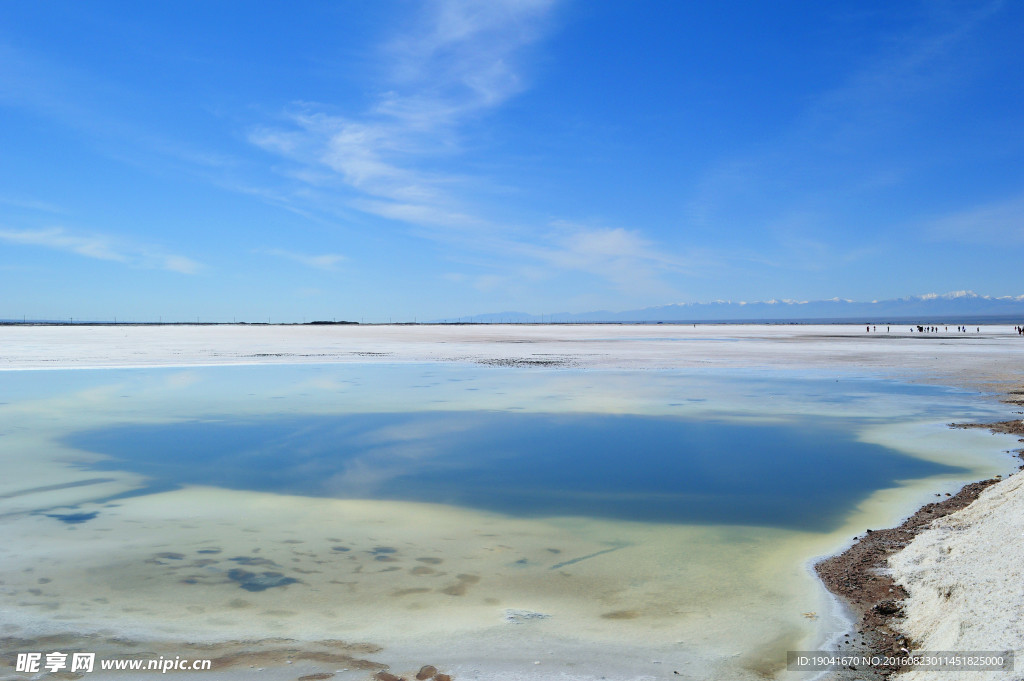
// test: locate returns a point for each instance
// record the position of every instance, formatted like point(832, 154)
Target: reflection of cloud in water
point(389, 452)
point(413, 431)
point(368, 475)
point(180, 380)
point(652, 469)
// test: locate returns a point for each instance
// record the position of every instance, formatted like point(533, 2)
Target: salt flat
point(992, 354)
point(987, 359)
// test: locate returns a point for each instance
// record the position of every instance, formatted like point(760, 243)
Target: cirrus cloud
point(102, 247)
point(325, 261)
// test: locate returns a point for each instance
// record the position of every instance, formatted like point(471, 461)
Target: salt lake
point(492, 519)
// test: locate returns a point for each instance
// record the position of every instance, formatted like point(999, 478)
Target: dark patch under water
point(250, 581)
point(73, 518)
point(801, 475)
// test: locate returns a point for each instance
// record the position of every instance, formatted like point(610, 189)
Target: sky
point(379, 160)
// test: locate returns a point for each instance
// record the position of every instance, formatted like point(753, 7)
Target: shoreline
point(861, 579)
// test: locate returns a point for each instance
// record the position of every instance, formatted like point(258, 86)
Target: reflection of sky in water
point(799, 475)
point(782, 449)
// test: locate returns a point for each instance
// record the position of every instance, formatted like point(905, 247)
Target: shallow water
point(665, 514)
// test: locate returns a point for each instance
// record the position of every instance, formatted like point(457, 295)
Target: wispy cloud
point(461, 57)
point(853, 142)
point(29, 204)
point(892, 87)
point(456, 60)
point(57, 238)
point(101, 247)
point(999, 223)
point(617, 260)
point(459, 60)
point(172, 263)
point(620, 255)
point(100, 109)
point(326, 261)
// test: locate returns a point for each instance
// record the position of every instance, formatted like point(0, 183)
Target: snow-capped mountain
point(962, 305)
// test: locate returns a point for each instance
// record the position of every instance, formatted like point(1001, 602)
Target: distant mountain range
point(963, 306)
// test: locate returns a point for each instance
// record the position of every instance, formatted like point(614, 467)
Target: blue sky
point(374, 160)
